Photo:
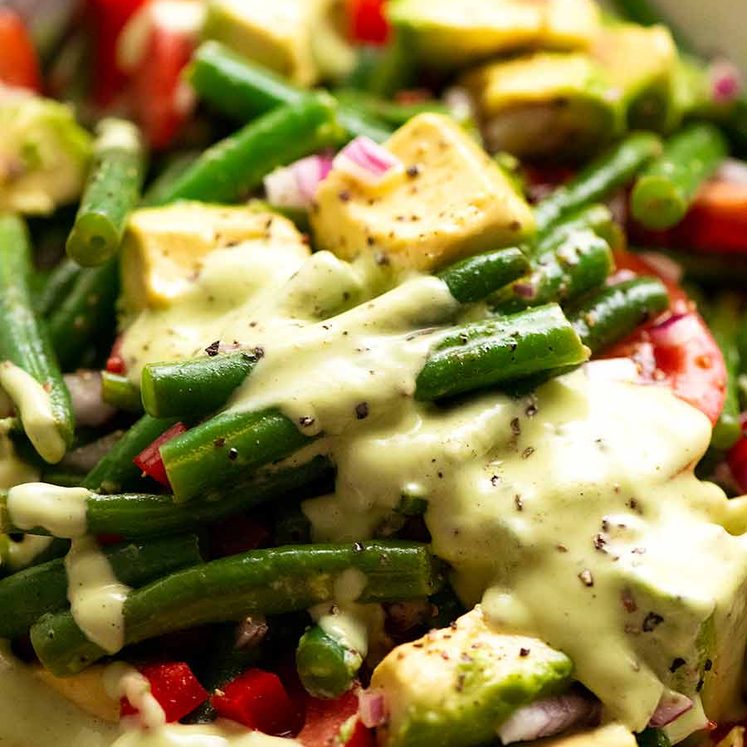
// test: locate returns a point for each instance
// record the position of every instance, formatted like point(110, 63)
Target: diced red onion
point(85, 458)
point(366, 161)
point(670, 708)
point(250, 632)
point(676, 331)
point(524, 290)
point(732, 171)
point(295, 186)
point(726, 81)
point(88, 399)
point(548, 717)
point(372, 708)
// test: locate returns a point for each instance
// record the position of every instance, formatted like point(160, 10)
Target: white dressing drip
point(219, 734)
point(96, 596)
point(61, 511)
point(35, 410)
point(123, 681)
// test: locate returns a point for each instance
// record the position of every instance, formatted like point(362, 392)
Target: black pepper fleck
point(413, 171)
point(523, 652)
point(586, 578)
point(213, 348)
point(676, 664)
point(708, 665)
point(361, 410)
point(219, 443)
point(305, 421)
point(527, 452)
point(233, 454)
point(651, 622)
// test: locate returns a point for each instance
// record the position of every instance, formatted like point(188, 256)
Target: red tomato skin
point(258, 700)
point(325, 718)
point(149, 459)
point(367, 21)
point(19, 64)
point(695, 371)
point(175, 688)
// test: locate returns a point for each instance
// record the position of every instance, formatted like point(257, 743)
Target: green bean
point(87, 311)
point(475, 278)
point(56, 287)
point(653, 738)
point(27, 595)
point(392, 113)
point(596, 217)
point(500, 351)
point(118, 391)
point(600, 179)
point(232, 168)
point(665, 189)
point(326, 666)
point(111, 192)
point(724, 322)
point(243, 90)
point(223, 449)
point(578, 263)
point(194, 387)
point(46, 414)
point(614, 312)
point(136, 515)
point(271, 581)
point(116, 471)
point(171, 171)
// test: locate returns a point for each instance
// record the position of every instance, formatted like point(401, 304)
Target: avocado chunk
point(455, 34)
point(164, 248)
point(610, 735)
point(545, 105)
point(44, 154)
point(455, 686)
point(297, 38)
point(641, 64)
point(448, 200)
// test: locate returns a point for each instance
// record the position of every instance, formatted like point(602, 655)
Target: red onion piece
point(671, 706)
point(372, 708)
point(85, 458)
point(88, 398)
point(733, 172)
point(665, 266)
point(726, 81)
point(295, 186)
point(366, 161)
point(548, 717)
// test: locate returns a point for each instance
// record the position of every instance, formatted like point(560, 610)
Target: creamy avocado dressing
point(575, 517)
point(95, 594)
point(61, 511)
point(35, 410)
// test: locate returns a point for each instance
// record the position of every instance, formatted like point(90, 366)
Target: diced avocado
point(453, 34)
point(163, 247)
point(44, 154)
point(296, 38)
point(454, 687)
point(611, 735)
point(86, 690)
point(449, 200)
point(641, 64)
point(547, 104)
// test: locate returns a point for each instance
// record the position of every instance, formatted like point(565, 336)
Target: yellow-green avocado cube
point(545, 104)
point(454, 687)
point(455, 33)
point(449, 200)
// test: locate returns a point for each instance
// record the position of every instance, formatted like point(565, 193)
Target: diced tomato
point(149, 459)
point(115, 362)
point(692, 363)
point(258, 700)
point(175, 688)
point(108, 18)
point(737, 457)
point(715, 224)
point(19, 64)
point(237, 534)
point(325, 719)
point(161, 101)
point(367, 21)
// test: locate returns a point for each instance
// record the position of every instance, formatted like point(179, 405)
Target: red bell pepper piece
point(367, 21)
point(695, 369)
point(149, 459)
point(175, 688)
point(115, 362)
point(108, 19)
point(258, 700)
point(19, 64)
point(325, 719)
point(737, 457)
